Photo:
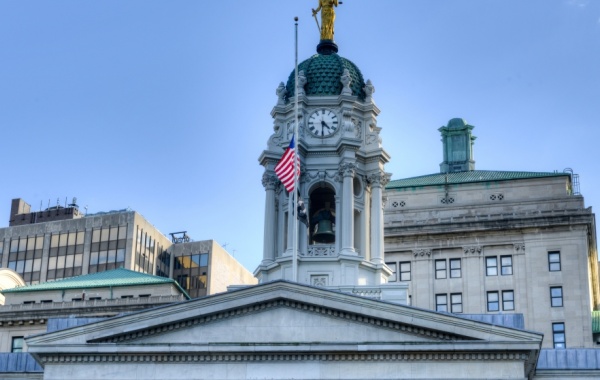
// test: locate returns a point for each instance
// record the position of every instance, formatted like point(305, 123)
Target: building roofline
point(120, 277)
point(473, 176)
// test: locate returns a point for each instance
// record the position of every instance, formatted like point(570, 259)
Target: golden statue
point(327, 17)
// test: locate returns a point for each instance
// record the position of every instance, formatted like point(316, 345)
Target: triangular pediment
point(282, 313)
point(279, 322)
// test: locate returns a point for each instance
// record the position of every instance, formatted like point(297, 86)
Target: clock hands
point(326, 120)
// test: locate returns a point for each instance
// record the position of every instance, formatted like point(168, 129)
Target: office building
point(492, 242)
point(61, 242)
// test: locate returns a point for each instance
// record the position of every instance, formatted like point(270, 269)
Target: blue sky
point(164, 106)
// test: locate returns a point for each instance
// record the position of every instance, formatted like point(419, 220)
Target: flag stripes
point(285, 167)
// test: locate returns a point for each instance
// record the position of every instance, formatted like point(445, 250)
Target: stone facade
point(282, 330)
point(517, 245)
point(334, 118)
point(44, 251)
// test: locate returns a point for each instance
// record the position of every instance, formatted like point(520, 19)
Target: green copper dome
point(323, 74)
point(457, 123)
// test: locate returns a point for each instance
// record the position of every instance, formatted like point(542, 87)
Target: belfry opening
point(322, 216)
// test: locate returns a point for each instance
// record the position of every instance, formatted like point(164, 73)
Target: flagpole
point(295, 195)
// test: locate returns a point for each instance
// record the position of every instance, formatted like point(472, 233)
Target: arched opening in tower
point(322, 216)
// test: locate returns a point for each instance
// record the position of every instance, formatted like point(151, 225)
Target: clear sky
point(164, 106)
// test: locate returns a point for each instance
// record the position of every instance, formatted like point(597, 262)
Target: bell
point(324, 233)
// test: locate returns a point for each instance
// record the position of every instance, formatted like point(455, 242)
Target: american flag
point(285, 167)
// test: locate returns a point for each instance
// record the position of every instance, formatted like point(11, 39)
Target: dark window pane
point(204, 260)
point(120, 255)
point(195, 260)
point(554, 261)
point(17, 344)
point(392, 277)
point(491, 266)
point(493, 301)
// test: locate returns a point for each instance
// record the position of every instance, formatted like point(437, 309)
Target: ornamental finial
point(327, 8)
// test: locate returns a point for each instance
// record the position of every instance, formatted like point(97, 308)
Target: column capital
point(347, 169)
point(380, 178)
point(270, 181)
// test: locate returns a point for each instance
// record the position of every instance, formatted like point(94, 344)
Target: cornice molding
point(282, 357)
point(259, 307)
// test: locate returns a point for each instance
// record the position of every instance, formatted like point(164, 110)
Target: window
point(506, 265)
point(17, 344)
point(456, 302)
point(508, 300)
point(392, 277)
point(556, 296)
point(190, 272)
point(491, 266)
point(441, 302)
point(25, 257)
point(455, 268)
point(440, 268)
point(554, 261)
point(558, 335)
point(107, 250)
point(405, 271)
point(163, 263)
point(493, 301)
point(66, 255)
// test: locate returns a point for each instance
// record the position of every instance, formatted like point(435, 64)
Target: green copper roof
point(595, 322)
point(466, 177)
point(111, 278)
point(323, 74)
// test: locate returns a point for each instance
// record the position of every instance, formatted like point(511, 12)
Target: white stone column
point(269, 244)
point(378, 182)
point(347, 171)
point(290, 227)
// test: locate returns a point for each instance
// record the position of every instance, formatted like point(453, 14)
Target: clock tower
point(341, 182)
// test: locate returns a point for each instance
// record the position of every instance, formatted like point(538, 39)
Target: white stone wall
point(291, 369)
point(533, 217)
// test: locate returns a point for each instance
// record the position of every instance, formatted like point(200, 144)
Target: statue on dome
point(327, 17)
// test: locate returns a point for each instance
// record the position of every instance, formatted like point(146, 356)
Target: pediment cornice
point(281, 303)
point(433, 326)
point(65, 359)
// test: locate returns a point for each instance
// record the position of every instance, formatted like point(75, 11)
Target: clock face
point(323, 123)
